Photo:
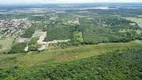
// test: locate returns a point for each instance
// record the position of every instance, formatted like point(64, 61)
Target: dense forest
point(124, 65)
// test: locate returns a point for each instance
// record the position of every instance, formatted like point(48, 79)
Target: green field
point(137, 20)
point(6, 44)
point(61, 55)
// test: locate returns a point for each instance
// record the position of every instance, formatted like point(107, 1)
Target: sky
point(62, 1)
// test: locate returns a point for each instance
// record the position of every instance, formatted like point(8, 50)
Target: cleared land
point(6, 44)
point(137, 20)
point(63, 55)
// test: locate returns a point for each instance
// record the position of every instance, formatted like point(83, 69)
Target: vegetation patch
point(71, 53)
point(116, 65)
point(77, 38)
point(18, 48)
point(6, 44)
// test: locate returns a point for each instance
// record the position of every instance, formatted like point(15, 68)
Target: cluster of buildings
point(13, 27)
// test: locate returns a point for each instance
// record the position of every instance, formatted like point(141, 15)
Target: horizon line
point(67, 3)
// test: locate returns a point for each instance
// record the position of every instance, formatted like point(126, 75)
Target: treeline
point(118, 65)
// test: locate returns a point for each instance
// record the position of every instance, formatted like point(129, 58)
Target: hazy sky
point(61, 1)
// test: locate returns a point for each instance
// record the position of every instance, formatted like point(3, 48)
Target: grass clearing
point(137, 20)
point(6, 44)
point(63, 55)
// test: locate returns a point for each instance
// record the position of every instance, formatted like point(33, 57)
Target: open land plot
point(63, 55)
point(6, 44)
point(137, 20)
point(37, 33)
